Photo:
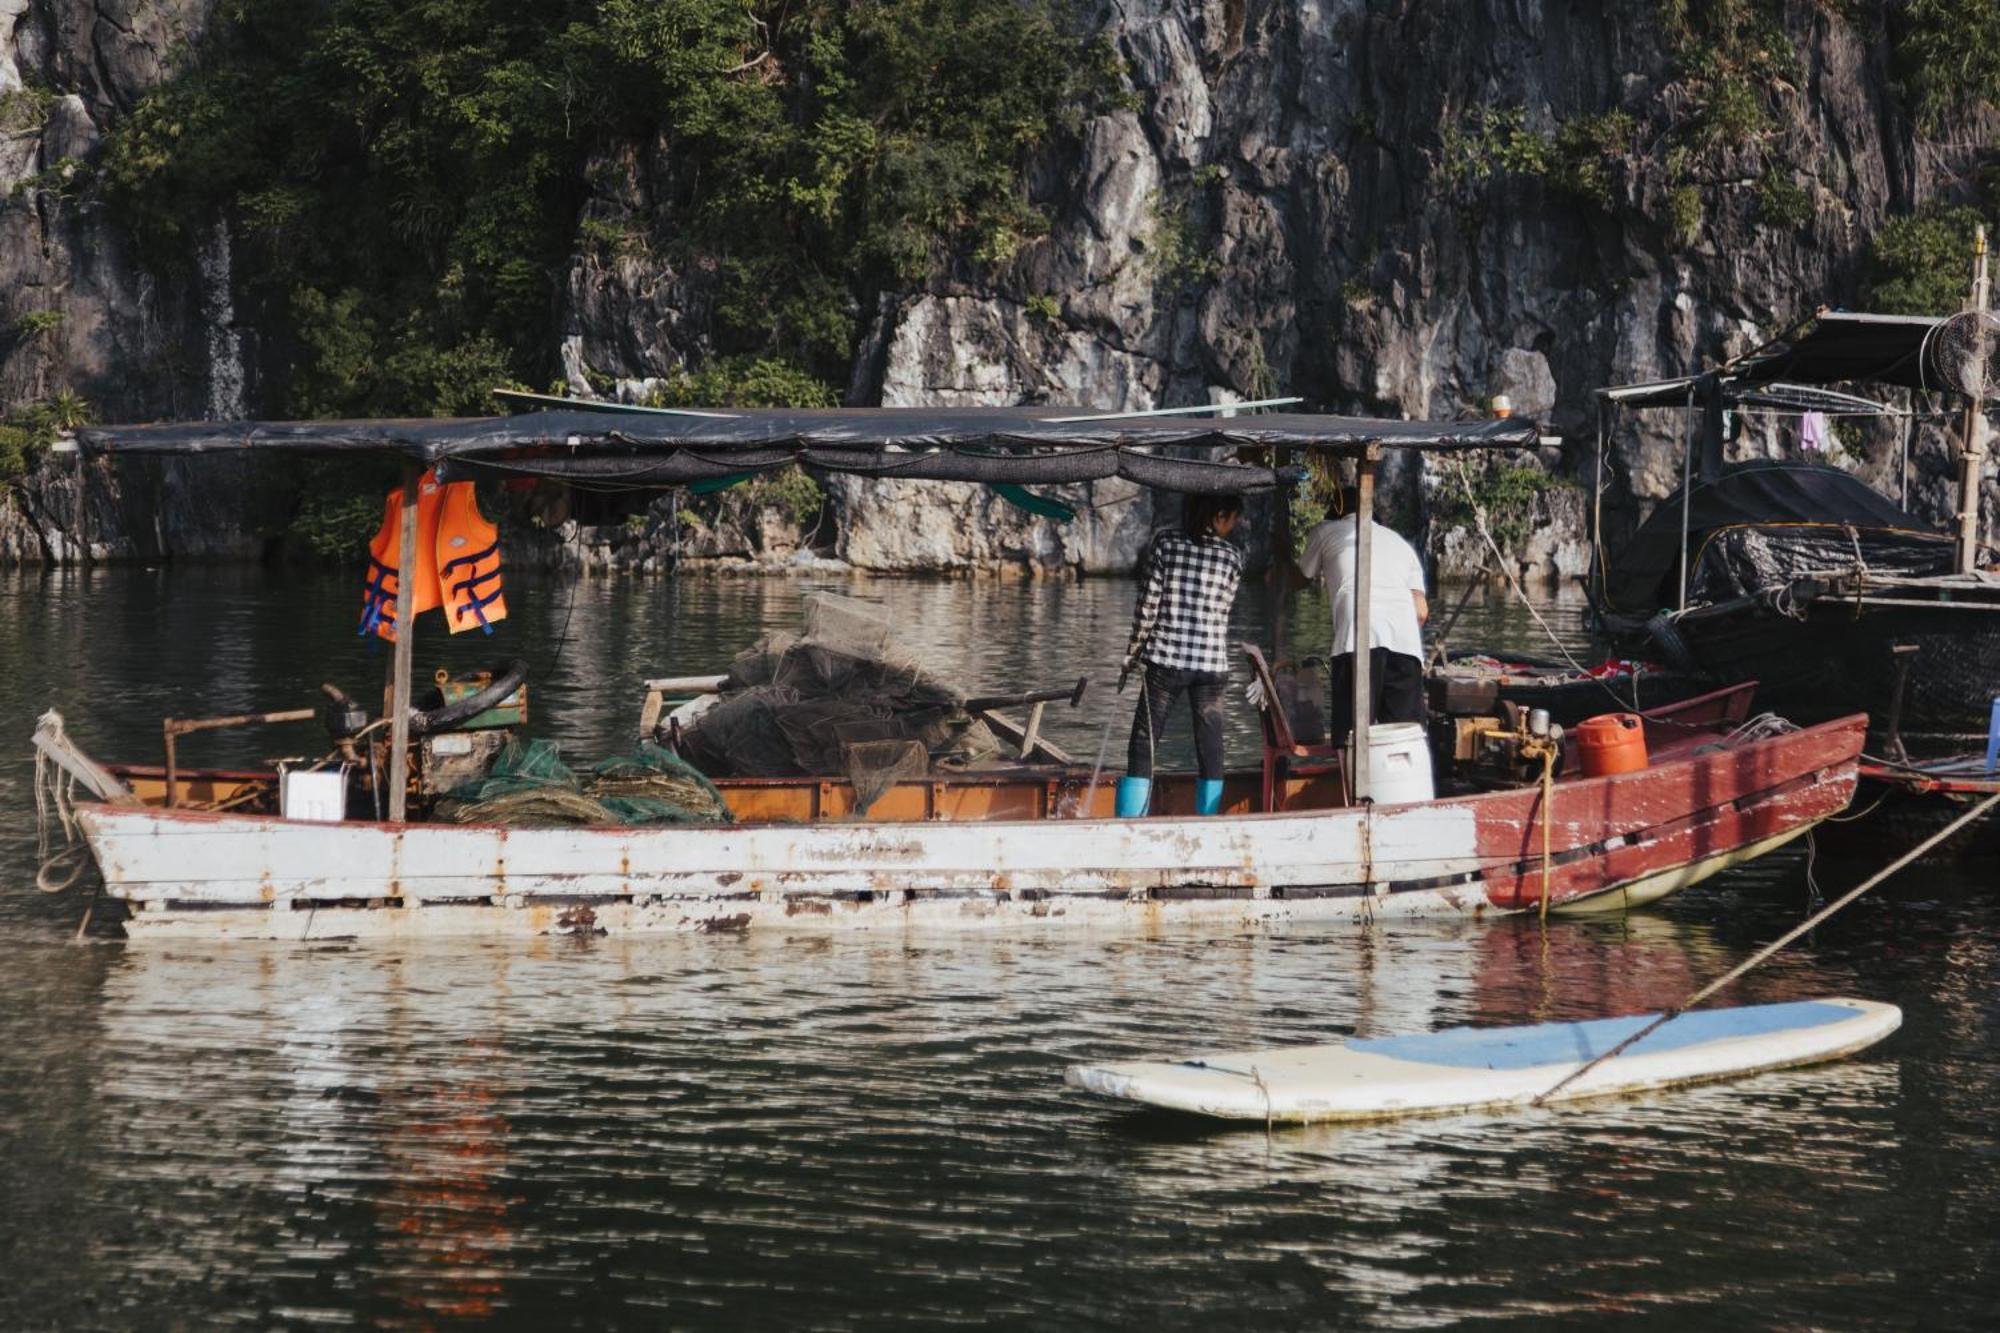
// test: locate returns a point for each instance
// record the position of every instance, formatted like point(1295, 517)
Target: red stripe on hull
point(1611, 831)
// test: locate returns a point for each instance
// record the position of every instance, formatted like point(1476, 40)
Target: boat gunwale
point(1688, 755)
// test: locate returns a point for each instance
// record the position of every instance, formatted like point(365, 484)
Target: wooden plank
point(1016, 733)
point(687, 684)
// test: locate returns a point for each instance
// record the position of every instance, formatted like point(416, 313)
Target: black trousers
point(1205, 690)
point(1395, 689)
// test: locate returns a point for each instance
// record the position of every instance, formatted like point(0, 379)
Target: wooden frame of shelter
point(662, 449)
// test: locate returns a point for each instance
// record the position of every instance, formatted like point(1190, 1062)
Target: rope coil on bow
point(55, 803)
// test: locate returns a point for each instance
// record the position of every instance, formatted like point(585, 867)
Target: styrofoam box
point(320, 796)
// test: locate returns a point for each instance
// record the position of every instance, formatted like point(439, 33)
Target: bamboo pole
point(1974, 455)
point(1281, 560)
point(1597, 507)
point(1687, 492)
point(406, 633)
point(1364, 589)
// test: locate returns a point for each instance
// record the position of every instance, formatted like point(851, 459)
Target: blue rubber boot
point(1133, 796)
point(1207, 796)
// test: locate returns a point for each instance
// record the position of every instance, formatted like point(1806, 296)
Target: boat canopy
point(1019, 445)
point(1762, 524)
point(1828, 347)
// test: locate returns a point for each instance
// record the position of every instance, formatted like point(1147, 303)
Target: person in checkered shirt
point(1180, 636)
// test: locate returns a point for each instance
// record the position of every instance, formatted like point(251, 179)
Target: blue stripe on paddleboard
point(1564, 1043)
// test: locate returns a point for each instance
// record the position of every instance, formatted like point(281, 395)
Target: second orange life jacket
point(457, 561)
point(468, 562)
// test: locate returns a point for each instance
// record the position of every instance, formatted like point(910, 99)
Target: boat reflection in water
point(476, 1129)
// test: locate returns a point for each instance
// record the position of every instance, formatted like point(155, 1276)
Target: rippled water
point(860, 1132)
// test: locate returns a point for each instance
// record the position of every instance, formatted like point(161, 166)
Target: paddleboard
point(1463, 1069)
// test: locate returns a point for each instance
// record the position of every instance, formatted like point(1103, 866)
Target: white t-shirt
point(1396, 573)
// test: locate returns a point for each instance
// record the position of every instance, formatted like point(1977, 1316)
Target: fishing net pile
point(531, 787)
point(845, 697)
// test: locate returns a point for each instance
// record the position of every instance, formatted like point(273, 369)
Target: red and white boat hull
point(1614, 842)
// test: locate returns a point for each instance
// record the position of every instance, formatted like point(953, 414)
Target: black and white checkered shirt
point(1183, 614)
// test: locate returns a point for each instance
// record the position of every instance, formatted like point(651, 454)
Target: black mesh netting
point(844, 698)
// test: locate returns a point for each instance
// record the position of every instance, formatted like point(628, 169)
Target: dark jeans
point(1395, 691)
point(1204, 691)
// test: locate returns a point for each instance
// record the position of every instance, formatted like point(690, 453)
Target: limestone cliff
point(1386, 206)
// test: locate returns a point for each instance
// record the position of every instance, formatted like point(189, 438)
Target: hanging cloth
point(1813, 432)
point(457, 561)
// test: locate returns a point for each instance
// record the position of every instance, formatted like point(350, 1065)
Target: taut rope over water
point(1768, 950)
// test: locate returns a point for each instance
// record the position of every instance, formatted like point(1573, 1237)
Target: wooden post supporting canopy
point(1280, 580)
point(406, 633)
point(1687, 490)
point(1974, 454)
point(1364, 596)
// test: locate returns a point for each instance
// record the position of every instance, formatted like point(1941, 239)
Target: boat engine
point(1492, 753)
point(464, 723)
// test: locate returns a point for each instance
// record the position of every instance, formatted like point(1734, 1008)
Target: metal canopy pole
point(1597, 506)
point(1364, 589)
point(1903, 460)
point(1975, 418)
point(406, 633)
point(1281, 558)
point(1687, 492)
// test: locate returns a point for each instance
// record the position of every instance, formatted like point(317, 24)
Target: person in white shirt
point(1396, 613)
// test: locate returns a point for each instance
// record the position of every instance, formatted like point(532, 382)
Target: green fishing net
point(529, 786)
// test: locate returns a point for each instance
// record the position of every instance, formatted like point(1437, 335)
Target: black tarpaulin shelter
point(1021, 445)
point(997, 445)
point(1842, 347)
point(1827, 347)
point(1760, 525)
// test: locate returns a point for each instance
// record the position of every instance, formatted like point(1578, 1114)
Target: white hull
point(227, 876)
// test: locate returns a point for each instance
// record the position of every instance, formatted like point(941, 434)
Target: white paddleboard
point(1462, 1069)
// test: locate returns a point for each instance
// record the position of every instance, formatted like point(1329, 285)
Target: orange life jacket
point(378, 594)
point(457, 561)
point(468, 562)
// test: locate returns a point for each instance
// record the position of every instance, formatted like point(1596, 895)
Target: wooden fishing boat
point(1030, 843)
point(1032, 847)
point(1798, 574)
point(1803, 578)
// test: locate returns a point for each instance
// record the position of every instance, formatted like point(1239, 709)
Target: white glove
point(1254, 692)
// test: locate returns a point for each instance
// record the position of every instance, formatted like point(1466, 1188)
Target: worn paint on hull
point(1640, 835)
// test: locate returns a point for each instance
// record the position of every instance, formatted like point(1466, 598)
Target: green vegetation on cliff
point(1922, 264)
point(409, 179)
point(1736, 72)
point(28, 429)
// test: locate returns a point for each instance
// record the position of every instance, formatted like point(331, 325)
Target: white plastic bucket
point(1399, 764)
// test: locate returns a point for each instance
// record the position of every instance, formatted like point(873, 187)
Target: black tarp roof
point(1774, 493)
point(1027, 445)
point(1831, 347)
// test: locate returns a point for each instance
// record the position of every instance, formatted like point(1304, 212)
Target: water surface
point(873, 1131)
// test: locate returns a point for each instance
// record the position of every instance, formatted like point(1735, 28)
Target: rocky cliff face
point(77, 313)
point(1388, 207)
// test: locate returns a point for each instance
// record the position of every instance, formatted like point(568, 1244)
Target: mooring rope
point(1548, 814)
point(55, 802)
point(1513, 581)
point(1763, 954)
